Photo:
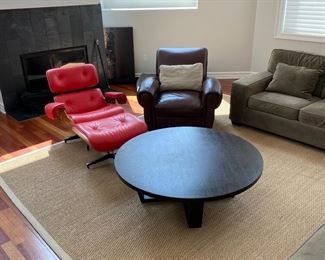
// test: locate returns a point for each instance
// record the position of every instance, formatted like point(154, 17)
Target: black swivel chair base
point(70, 138)
point(109, 155)
point(103, 158)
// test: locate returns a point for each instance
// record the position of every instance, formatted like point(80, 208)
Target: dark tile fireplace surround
point(25, 31)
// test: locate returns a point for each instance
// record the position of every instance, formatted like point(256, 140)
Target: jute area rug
point(91, 214)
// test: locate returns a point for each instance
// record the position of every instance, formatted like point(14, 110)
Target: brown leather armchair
point(179, 107)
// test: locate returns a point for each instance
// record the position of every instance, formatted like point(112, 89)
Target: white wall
point(264, 41)
point(18, 4)
point(225, 27)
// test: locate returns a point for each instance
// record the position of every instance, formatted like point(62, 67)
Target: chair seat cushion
point(279, 104)
point(100, 113)
point(82, 101)
point(179, 103)
point(313, 114)
point(111, 133)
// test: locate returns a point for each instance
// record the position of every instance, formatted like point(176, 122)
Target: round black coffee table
point(188, 164)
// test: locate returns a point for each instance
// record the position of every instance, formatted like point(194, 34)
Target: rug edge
point(295, 255)
point(30, 153)
point(33, 221)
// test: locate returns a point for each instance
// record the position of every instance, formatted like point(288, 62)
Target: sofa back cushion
point(301, 59)
point(294, 81)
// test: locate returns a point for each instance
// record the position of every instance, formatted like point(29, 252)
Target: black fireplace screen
point(36, 64)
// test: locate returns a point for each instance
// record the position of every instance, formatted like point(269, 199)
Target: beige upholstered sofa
point(289, 116)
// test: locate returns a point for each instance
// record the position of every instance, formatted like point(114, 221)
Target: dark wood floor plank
point(22, 234)
point(24, 252)
point(12, 251)
point(3, 255)
point(3, 237)
point(3, 204)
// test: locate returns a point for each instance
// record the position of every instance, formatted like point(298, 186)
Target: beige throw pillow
point(181, 77)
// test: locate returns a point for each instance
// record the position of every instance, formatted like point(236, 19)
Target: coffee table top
point(186, 163)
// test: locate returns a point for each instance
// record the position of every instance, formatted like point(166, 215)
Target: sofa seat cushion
point(179, 103)
point(313, 114)
point(279, 104)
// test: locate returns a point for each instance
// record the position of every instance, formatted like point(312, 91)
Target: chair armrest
point(147, 92)
point(211, 93)
point(116, 96)
point(242, 89)
point(147, 89)
point(51, 109)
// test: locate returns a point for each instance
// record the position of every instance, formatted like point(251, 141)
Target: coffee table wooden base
point(145, 198)
point(194, 213)
point(193, 209)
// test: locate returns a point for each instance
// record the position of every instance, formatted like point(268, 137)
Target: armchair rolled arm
point(211, 99)
point(242, 89)
point(51, 109)
point(211, 93)
point(120, 97)
point(147, 89)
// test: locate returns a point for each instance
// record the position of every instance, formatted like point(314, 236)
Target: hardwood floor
point(18, 239)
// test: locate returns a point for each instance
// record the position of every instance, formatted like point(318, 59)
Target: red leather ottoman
point(108, 134)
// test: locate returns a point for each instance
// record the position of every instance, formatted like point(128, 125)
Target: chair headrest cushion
point(72, 78)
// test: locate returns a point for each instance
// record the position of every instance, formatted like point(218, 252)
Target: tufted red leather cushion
point(67, 79)
point(111, 133)
point(103, 112)
point(83, 101)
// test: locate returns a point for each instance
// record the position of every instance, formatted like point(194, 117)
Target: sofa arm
point(147, 90)
point(242, 89)
point(51, 109)
point(120, 97)
point(211, 93)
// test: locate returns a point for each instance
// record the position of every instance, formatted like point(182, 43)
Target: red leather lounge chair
point(93, 116)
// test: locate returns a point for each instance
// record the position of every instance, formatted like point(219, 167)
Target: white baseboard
point(223, 75)
point(2, 108)
point(137, 74)
point(230, 74)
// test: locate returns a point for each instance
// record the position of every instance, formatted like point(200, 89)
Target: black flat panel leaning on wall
point(40, 29)
point(120, 54)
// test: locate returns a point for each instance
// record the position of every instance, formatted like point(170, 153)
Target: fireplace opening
point(35, 65)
